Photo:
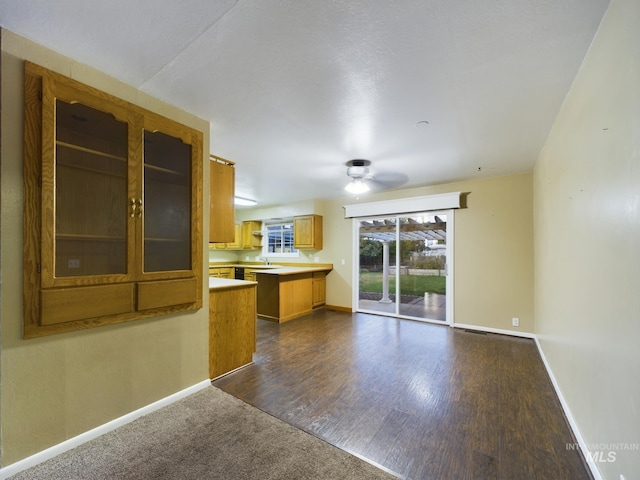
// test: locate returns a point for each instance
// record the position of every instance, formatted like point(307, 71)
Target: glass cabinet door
point(167, 203)
point(90, 191)
point(112, 212)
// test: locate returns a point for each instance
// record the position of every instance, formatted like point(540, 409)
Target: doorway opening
point(404, 265)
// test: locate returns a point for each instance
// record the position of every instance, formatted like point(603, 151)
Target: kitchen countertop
point(225, 283)
point(275, 269)
point(291, 270)
point(244, 265)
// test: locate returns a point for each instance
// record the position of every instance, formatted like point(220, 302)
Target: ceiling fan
point(358, 171)
point(362, 180)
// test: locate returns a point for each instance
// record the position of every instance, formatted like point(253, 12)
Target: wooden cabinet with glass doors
point(113, 221)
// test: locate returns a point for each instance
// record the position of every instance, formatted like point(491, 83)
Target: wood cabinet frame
point(221, 197)
point(307, 232)
point(244, 237)
point(319, 285)
point(251, 240)
point(61, 304)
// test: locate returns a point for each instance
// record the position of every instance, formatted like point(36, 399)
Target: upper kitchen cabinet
point(222, 191)
point(307, 232)
point(251, 235)
point(247, 236)
point(113, 216)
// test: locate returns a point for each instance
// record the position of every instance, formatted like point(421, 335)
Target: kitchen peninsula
point(289, 292)
point(281, 293)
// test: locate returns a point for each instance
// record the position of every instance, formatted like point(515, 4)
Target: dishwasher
point(238, 273)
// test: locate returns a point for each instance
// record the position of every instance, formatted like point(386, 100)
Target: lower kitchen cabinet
point(286, 296)
point(221, 272)
point(232, 325)
point(319, 285)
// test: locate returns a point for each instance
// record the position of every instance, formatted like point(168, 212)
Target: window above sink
point(278, 240)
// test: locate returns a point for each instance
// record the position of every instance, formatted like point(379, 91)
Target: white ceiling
point(295, 88)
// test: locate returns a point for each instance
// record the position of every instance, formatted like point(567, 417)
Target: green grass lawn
point(409, 284)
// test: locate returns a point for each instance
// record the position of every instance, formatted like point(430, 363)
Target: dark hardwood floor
point(425, 401)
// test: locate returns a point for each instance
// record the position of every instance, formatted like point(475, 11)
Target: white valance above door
point(443, 201)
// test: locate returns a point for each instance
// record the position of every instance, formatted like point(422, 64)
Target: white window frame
point(265, 242)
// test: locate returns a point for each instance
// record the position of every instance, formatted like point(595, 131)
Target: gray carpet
point(209, 434)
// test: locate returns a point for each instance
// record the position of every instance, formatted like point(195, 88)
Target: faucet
point(266, 260)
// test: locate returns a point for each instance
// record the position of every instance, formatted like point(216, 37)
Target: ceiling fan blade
point(388, 179)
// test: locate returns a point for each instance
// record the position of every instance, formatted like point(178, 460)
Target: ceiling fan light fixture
point(357, 186)
point(358, 171)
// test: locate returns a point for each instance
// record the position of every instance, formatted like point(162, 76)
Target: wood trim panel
point(36, 331)
point(31, 221)
point(197, 215)
point(165, 293)
point(61, 305)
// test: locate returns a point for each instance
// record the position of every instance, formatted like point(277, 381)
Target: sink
point(262, 267)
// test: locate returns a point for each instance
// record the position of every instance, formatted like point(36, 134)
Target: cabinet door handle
point(139, 207)
point(132, 207)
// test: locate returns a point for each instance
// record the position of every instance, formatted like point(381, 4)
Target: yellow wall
point(493, 267)
point(587, 242)
point(57, 387)
point(493, 264)
point(493, 272)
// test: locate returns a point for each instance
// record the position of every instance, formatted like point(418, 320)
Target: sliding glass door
point(403, 262)
point(377, 279)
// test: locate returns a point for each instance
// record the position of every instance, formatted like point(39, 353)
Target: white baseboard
point(572, 423)
point(51, 452)
point(500, 331)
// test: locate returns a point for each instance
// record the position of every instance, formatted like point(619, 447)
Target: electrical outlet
point(316, 259)
point(342, 261)
point(515, 321)
point(74, 263)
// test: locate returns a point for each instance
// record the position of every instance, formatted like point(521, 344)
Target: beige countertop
point(255, 266)
point(243, 265)
point(225, 283)
point(291, 270)
point(275, 269)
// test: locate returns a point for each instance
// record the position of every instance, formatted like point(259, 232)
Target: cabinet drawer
point(166, 293)
point(62, 305)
